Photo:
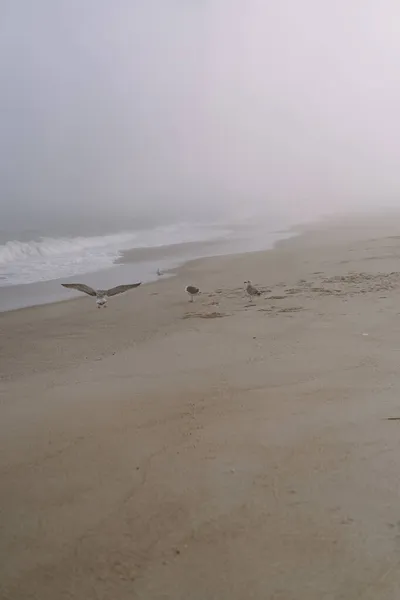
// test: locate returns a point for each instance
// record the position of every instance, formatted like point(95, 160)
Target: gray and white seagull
point(101, 295)
point(193, 291)
point(251, 290)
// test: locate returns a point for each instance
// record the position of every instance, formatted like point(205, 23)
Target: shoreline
point(139, 264)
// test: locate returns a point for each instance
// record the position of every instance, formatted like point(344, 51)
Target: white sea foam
point(48, 258)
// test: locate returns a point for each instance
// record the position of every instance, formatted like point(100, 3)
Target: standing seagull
point(101, 295)
point(251, 290)
point(192, 291)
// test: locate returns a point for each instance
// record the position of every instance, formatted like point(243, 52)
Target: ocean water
point(25, 261)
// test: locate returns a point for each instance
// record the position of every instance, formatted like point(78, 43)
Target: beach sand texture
point(217, 450)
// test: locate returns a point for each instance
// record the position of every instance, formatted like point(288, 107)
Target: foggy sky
point(198, 106)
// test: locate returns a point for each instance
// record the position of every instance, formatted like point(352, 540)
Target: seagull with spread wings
point(100, 295)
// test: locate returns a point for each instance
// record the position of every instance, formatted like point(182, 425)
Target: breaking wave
point(49, 258)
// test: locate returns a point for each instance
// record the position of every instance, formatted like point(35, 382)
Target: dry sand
point(163, 450)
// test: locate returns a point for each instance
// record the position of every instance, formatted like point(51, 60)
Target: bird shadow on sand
point(211, 315)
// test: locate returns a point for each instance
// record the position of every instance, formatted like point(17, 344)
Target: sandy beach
point(217, 450)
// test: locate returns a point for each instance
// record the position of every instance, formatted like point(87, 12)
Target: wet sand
point(165, 450)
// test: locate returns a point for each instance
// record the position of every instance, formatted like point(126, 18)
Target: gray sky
point(193, 105)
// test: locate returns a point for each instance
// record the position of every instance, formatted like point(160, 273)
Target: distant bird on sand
point(101, 295)
point(159, 273)
point(251, 290)
point(192, 291)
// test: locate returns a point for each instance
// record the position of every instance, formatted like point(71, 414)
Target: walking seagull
point(251, 290)
point(192, 291)
point(101, 295)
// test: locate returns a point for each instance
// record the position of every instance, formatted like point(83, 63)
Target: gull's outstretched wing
point(121, 288)
point(81, 287)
